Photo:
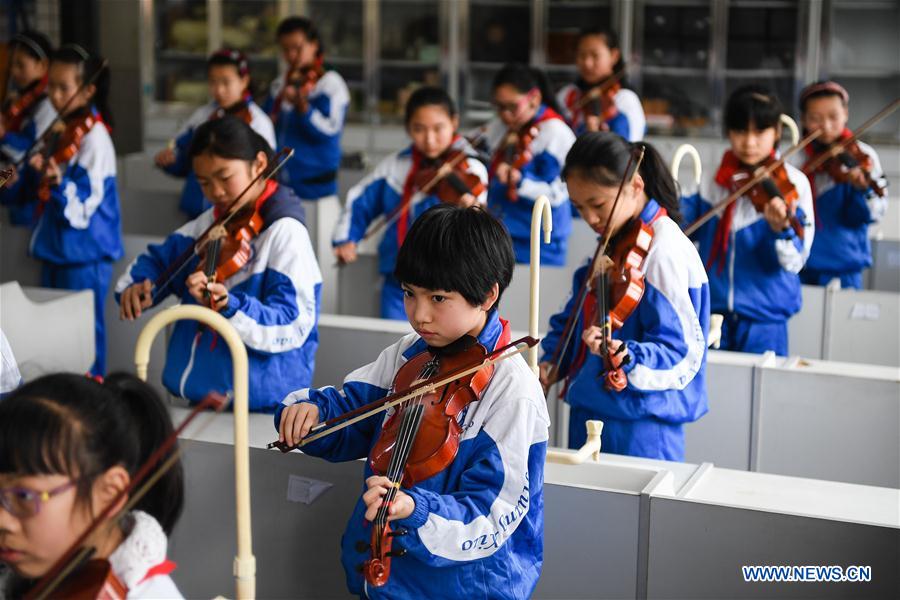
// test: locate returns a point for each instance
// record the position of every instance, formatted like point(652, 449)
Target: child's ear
point(107, 486)
point(89, 92)
point(491, 299)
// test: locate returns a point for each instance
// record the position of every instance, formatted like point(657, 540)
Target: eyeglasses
point(23, 502)
point(512, 107)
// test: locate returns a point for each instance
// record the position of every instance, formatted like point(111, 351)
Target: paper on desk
point(305, 489)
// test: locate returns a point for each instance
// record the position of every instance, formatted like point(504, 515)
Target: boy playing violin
point(753, 253)
point(474, 528)
point(272, 299)
point(849, 190)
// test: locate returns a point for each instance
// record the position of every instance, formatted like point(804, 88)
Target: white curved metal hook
point(686, 149)
point(791, 124)
point(540, 214)
point(244, 562)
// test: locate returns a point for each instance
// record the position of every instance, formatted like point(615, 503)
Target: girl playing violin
point(71, 187)
point(475, 528)
point(661, 346)
point(68, 446)
point(229, 79)
point(849, 190)
point(308, 106)
point(528, 141)
point(272, 299)
point(407, 183)
point(27, 111)
point(598, 99)
point(754, 249)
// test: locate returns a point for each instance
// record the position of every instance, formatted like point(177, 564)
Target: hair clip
point(24, 39)
point(85, 56)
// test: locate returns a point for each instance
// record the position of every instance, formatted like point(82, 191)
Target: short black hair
point(464, 250)
point(752, 104)
point(429, 96)
point(66, 424)
point(228, 137)
point(303, 25)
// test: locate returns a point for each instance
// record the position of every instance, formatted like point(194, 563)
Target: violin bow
point(5, 175)
point(415, 391)
point(837, 148)
point(560, 352)
point(78, 553)
point(757, 177)
point(61, 114)
point(164, 280)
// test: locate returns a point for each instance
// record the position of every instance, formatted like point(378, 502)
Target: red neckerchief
point(811, 151)
point(408, 190)
point(504, 337)
point(271, 187)
point(163, 568)
point(589, 315)
point(729, 167)
point(545, 115)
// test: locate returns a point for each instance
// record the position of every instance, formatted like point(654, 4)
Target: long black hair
point(88, 65)
point(446, 247)
point(65, 424)
point(231, 138)
point(524, 78)
point(602, 157)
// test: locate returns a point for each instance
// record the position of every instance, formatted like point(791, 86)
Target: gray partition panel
point(806, 328)
point(359, 285)
point(344, 348)
point(697, 551)
point(832, 427)
point(722, 436)
point(15, 263)
point(297, 545)
point(885, 271)
point(862, 326)
point(597, 558)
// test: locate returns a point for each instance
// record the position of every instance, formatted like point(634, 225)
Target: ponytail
point(524, 78)
point(602, 157)
point(65, 424)
point(88, 66)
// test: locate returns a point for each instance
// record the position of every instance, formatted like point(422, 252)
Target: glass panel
point(340, 24)
point(676, 104)
point(564, 20)
point(762, 38)
point(500, 33)
point(250, 26)
point(783, 87)
point(181, 47)
point(409, 31)
point(676, 36)
point(397, 83)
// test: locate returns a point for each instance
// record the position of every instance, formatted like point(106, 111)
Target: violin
point(17, 108)
point(62, 146)
point(5, 175)
point(448, 179)
point(775, 184)
point(838, 166)
point(304, 79)
point(79, 576)
point(241, 110)
point(599, 100)
point(515, 152)
point(616, 279)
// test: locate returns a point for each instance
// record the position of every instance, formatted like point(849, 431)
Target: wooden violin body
point(448, 179)
point(776, 185)
point(65, 141)
point(17, 108)
point(516, 152)
point(241, 110)
point(228, 247)
point(600, 101)
point(95, 580)
point(851, 157)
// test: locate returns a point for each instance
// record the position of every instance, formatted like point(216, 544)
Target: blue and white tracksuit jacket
point(192, 202)
point(756, 286)
point(630, 123)
point(314, 135)
point(10, 377)
point(666, 340)
point(78, 233)
point(377, 195)
point(477, 527)
point(273, 303)
point(843, 214)
point(541, 176)
point(13, 146)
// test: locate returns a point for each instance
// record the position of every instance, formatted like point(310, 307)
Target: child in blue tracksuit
point(393, 190)
point(843, 209)
point(78, 233)
point(519, 175)
point(27, 113)
point(752, 257)
point(272, 300)
point(308, 106)
point(599, 57)
point(661, 345)
point(475, 528)
point(229, 78)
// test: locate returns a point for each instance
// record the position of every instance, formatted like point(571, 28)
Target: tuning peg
point(398, 533)
point(362, 546)
point(397, 553)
